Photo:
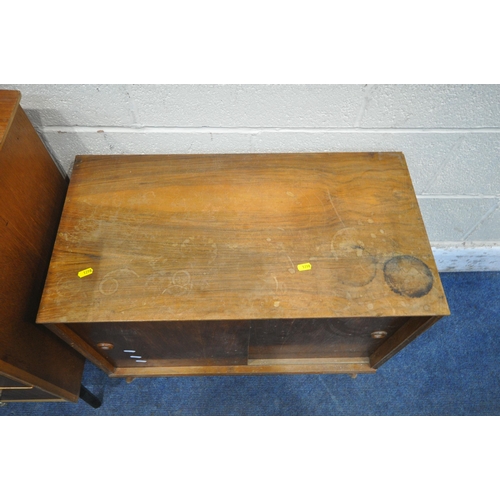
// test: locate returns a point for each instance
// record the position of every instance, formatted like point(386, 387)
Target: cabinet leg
point(129, 379)
point(353, 375)
point(89, 398)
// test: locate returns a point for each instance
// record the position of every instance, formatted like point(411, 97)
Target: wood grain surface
point(292, 367)
point(9, 101)
point(221, 237)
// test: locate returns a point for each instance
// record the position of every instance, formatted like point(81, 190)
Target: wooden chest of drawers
point(241, 264)
point(35, 365)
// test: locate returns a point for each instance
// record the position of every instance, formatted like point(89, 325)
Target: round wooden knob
point(379, 334)
point(105, 346)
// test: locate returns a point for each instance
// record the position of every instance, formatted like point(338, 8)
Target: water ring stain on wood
point(358, 265)
point(408, 276)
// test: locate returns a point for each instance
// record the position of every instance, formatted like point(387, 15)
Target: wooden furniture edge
point(16, 107)
point(14, 388)
point(38, 138)
point(305, 361)
point(426, 241)
point(408, 332)
point(256, 367)
point(22, 151)
point(7, 400)
point(26, 377)
point(77, 343)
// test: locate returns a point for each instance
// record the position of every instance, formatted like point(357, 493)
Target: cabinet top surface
point(9, 100)
point(207, 237)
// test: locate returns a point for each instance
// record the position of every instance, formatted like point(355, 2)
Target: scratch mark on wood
point(321, 201)
point(333, 205)
point(285, 337)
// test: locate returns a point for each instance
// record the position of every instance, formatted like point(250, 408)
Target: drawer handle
point(105, 346)
point(379, 334)
point(13, 388)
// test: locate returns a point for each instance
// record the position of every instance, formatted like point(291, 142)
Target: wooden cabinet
point(241, 264)
point(35, 365)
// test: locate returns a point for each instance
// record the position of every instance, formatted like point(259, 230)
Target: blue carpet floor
point(452, 369)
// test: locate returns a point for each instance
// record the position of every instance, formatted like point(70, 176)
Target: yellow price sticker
point(304, 267)
point(85, 272)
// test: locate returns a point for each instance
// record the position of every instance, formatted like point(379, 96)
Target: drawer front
point(12, 390)
point(26, 394)
point(9, 383)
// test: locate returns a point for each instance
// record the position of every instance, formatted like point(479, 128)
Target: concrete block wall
point(450, 135)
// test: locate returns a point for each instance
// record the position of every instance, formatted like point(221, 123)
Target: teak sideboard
point(241, 264)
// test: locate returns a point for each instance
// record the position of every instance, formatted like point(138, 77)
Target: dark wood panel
point(181, 343)
point(27, 395)
point(408, 332)
point(198, 343)
point(6, 382)
point(78, 343)
point(319, 338)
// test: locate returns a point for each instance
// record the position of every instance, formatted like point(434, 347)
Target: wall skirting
point(467, 258)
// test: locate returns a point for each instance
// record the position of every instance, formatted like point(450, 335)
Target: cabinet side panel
point(408, 332)
point(9, 101)
point(31, 198)
point(69, 336)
